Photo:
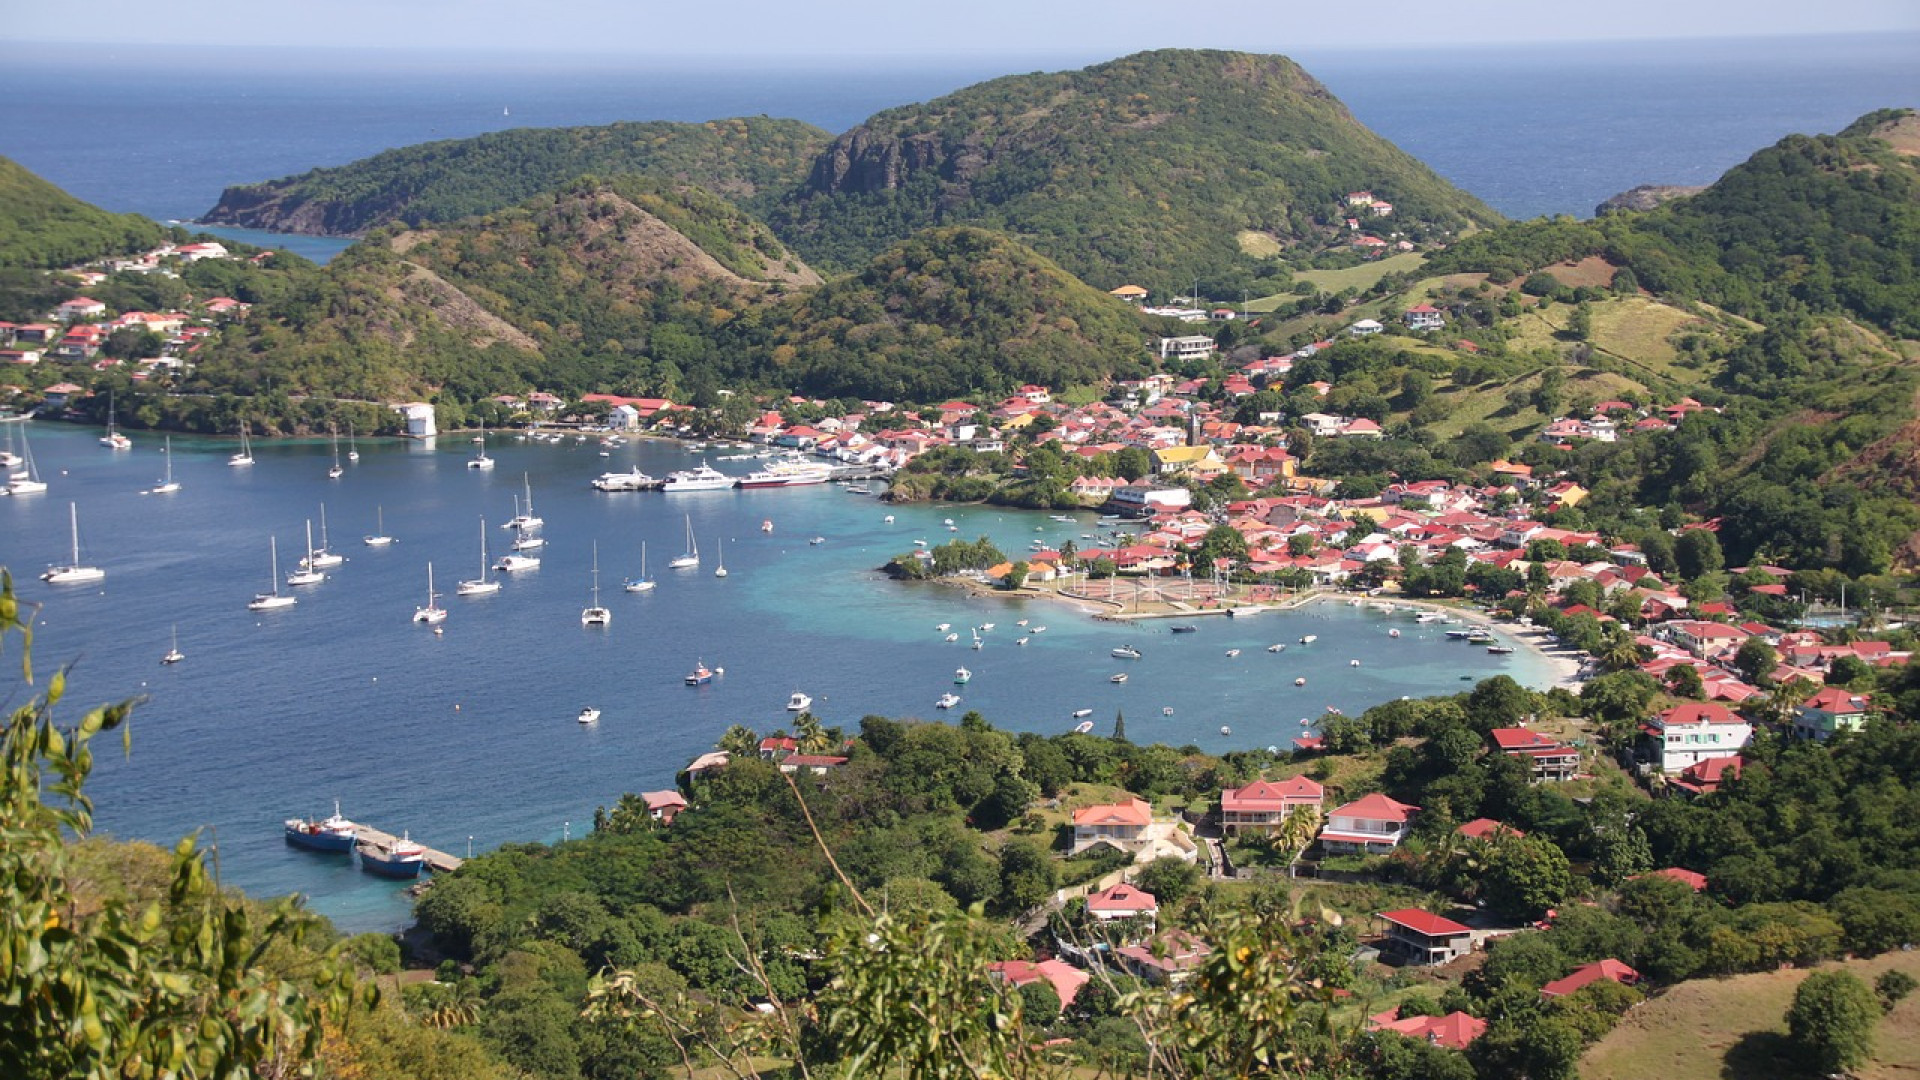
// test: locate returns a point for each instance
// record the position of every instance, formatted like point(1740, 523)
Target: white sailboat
point(335, 472)
point(524, 519)
point(595, 615)
point(323, 557)
point(353, 448)
point(432, 613)
point(113, 440)
point(75, 572)
point(307, 573)
point(167, 485)
point(482, 585)
point(25, 479)
point(720, 559)
point(245, 456)
point(268, 601)
point(643, 583)
point(380, 537)
point(692, 557)
point(174, 655)
point(480, 458)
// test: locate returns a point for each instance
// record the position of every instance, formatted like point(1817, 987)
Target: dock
point(437, 861)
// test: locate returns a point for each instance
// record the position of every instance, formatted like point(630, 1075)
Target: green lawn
point(1710, 1029)
point(1359, 277)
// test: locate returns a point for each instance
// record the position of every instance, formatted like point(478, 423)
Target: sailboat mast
point(73, 518)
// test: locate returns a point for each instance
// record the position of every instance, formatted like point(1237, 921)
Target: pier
point(437, 861)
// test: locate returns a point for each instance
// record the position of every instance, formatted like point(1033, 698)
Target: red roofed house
point(1696, 731)
point(1065, 979)
point(1692, 879)
point(1372, 825)
point(1591, 973)
point(1832, 710)
point(1123, 901)
point(1119, 825)
point(1453, 1031)
point(1489, 829)
point(1168, 958)
point(663, 805)
point(1425, 317)
point(817, 764)
point(1551, 759)
point(1705, 777)
point(1263, 805)
point(1425, 938)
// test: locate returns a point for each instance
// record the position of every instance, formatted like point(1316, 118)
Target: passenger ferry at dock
point(788, 473)
point(704, 478)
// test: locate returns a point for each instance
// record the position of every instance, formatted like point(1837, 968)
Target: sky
point(870, 28)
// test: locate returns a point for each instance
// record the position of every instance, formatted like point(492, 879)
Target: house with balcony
point(1692, 732)
point(1264, 805)
point(1423, 938)
point(1123, 901)
point(1119, 825)
point(1373, 825)
point(1425, 317)
point(1189, 347)
point(1548, 757)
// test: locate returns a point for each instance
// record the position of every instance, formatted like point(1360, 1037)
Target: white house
point(419, 416)
point(1191, 347)
point(1365, 327)
point(1425, 317)
point(1696, 731)
point(1372, 825)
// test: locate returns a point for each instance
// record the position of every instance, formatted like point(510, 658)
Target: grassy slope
point(1359, 278)
point(43, 226)
point(1709, 1029)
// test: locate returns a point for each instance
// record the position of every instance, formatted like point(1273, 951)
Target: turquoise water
point(472, 733)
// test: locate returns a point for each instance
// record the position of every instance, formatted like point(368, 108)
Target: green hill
point(1147, 169)
point(947, 312)
point(42, 226)
point(457, 178)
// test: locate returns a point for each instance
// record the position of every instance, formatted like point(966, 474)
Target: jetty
point(437, 861)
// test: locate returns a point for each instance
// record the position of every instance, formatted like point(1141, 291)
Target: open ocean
point(1532, 130)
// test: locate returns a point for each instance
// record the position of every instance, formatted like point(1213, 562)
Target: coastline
point(1567, 663)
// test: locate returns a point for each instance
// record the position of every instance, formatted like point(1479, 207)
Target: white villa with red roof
point(1123, 901)
point(1264, 805)
point(1695, 731)
point(1424, 938)
point(1121, 825)
point(1425, 317)
point(1369, 826)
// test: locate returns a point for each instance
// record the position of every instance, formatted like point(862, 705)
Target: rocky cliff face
point(276, 207)
point(1646, 197)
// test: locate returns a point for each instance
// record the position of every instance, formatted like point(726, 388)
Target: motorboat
point(701, 675)
point(962, 676)
point(1302, 681)
point(1083, 712)
point(1353, 663)
point(594, 614)
point(1039, 630)
point(816, 541)
point(703, 478)
point(1308, 639)
point(401, 858)
point(766, 525)
point(268, 601)
point(624, 481)
point(1166, 710)
point(1021, 640)
point(943, 627)
point(513, 564)
point(986, 627)
point(1393, 632)
point(799, 702)
point(1117, 678)
point(947, 701)
point(1185, 628)
point(1233, 652)
point(433, 614)
point(1459, 635)
point(588, 715)
point(1500, 650)
point(74, 572)
point(1225, 730)
point(334, 833)
point(1083, 726)
point(951, 637)
point(1126, 652)
point(1276, 648)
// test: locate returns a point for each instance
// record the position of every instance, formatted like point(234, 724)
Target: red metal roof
point(1425, 922)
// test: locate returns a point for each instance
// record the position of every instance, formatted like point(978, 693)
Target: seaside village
point(1726, 661)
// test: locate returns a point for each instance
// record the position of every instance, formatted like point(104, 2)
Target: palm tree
point(740, 741)
point(809, 736)
point(1619, 651)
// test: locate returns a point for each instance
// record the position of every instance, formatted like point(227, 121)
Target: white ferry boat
point(704, 478)
point(788, 474)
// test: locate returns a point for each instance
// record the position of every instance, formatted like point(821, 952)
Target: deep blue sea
point(472, 733)
point(1532, 130)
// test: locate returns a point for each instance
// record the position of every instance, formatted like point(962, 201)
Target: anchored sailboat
point(692, 557)
point(245, 456)
point(113, 440)
point(307, 574)
point(643, 583)
point(595, 615)
point(335, 472)
point(380, 537)
point(25, 478)
point(432, 613)
point(75, 572)
point(268, 601)
point(167, 485)
point(482, 585)
point(174, 655)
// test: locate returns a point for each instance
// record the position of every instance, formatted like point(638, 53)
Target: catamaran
point(245, 456)
point(174, 655)
point(594, 614)
point(167, 485)
point(432, 613)
point(482, 585)
point(692, 557)
point(113, 440)
point(523, 519)
point(268, 601)
point(380, 537)
point(307, 573)
point(25, 479)
point(643, 583)
point(321, 558)
point(480, 458)
point(75, 572)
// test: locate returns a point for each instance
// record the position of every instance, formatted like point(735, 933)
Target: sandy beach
point(1566, 662)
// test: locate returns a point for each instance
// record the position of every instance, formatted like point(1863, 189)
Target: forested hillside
point(1147, 168)
point(42, 226)
point(456, 178)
